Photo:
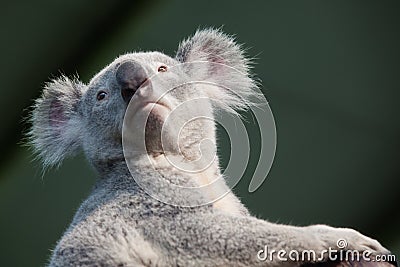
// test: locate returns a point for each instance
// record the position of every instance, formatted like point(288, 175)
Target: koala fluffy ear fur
point(56, 124)
point(218, 59)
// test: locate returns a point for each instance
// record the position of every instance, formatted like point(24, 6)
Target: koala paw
point(346, 239)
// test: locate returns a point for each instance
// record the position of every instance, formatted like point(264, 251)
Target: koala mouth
point(152, 104)
point(155, 110)
point(149, 104)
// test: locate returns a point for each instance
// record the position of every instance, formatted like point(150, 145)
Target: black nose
point(130, 76)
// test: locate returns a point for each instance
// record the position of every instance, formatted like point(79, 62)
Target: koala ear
point(56, 123)
point(218, 59)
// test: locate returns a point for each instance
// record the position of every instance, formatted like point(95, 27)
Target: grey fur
point(121, 225)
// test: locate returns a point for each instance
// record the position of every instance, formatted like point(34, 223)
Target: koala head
point(158, 95)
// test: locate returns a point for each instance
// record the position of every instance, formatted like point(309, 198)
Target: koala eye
point(162, 68)
point(101, 95)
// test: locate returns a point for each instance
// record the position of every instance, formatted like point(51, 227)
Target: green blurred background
point(330, 70)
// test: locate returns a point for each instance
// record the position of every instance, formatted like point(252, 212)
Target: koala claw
point(347, 239)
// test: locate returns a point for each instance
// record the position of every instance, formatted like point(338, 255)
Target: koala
point(131, 126)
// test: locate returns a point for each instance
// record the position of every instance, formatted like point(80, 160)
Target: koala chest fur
point(146, 124)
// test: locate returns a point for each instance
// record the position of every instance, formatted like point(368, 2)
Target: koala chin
point(146, 124)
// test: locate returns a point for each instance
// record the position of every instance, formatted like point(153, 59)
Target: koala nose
point(130, 76)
